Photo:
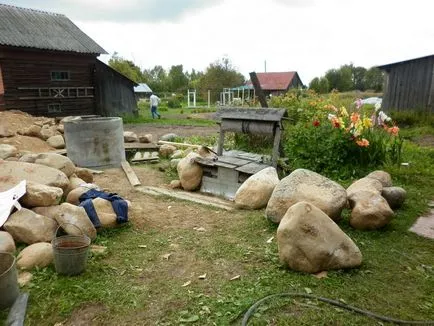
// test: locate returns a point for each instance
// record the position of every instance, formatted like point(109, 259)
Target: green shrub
point(412, 118)
point(173, 103)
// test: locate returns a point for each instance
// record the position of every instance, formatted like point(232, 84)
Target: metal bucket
point(9, 289)
point(70, 252)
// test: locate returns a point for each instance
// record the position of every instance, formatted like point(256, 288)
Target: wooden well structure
point(225, 175)
point(262, 121)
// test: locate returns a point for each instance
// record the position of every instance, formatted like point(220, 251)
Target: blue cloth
point(120, 206)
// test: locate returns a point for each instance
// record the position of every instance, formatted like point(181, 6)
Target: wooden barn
point(409, 85)
point(277, 83)
point(48, 66)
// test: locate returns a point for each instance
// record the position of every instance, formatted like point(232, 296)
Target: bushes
point(173, 103)
point(412, 118)
point(335, 141)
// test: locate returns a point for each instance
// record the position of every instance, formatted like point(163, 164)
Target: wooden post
point(209, 98)
point(221, 141)
point(258, 89)
point(276, 144)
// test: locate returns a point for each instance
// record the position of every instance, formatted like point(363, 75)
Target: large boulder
point(169, 137)
point(382, 176)
point(56, 161)
point(74, 195)
point(189, 172)
point(70, 214)
point(7, 151)
point(364, 184)
point(48, 131)
point(36, 255)
point(29, 157)
point(309, 241)
point(145, 138)
point(130, 137)
point(255, 192)
point(166, 150)
point(11, 173)
point(84, 174)
point(28, 227)
point(74, 182)
point(395, 196)
point(305, 185)
point(7, 243)
point(370, 210)
point(105, 213)
point(41, 195)
point(56, 141)
point(32, 131)
point(5, 132)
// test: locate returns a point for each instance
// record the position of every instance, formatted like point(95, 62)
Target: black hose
point(369, 314)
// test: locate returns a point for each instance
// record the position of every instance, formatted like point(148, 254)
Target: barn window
point(60, 75)
point(54, 108)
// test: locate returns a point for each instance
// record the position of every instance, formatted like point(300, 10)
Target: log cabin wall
point(49, 83)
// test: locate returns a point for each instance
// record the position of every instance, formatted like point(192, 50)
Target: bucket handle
point(61, 225)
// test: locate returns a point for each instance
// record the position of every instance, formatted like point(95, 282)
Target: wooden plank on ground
point(252, 168)
point(132, 177)
point(163, 142)
point(189, 196)
point(129, 146)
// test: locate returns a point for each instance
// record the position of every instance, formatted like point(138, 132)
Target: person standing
point(154, 100)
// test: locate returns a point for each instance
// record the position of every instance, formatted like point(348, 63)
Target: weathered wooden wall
point(409, 85)
point(1, 90)
point(27, 78)
point(296, 82)
point(114, 92)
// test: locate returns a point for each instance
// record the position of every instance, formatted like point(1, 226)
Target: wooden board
point(233, 160)
point(189, 196)
point(140, 146)
point(132, 177)
point(252, 168)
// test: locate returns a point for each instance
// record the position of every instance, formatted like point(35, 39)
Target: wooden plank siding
point(27, 81)
point(2, 90)
point(114, 92)
point(409, 85)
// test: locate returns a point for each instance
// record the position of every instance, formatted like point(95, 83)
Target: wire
point(367, 313)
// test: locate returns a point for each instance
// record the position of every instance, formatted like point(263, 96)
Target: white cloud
point(307, 36)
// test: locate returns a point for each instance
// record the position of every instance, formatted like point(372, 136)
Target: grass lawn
point(154, 273)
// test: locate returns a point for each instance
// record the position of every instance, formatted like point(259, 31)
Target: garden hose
point(367, 313)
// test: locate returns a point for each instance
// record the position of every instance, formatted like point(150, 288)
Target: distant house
point(277, 83)
point(48, 66)
point(409, 85)
point(142, 91)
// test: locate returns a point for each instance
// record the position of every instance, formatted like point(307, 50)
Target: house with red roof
point(277, 83)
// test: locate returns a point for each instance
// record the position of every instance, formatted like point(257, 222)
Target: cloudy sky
point(309, 36)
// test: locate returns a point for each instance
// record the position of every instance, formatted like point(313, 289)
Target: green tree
point(157, 79)
point(218, 75)
point(324, 86)
point(177, 79)
point(314, 85)
point(374, 79)
point(126, 68)
point(359, 78)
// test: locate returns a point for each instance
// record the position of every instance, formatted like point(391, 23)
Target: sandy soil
point(159, 130)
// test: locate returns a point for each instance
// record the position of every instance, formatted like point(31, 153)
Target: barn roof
point(275, 80)
point(29, 28)
point(390, 65)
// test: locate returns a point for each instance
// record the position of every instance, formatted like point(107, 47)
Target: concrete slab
point(424, 226)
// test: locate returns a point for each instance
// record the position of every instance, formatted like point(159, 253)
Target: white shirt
point(154, 100)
